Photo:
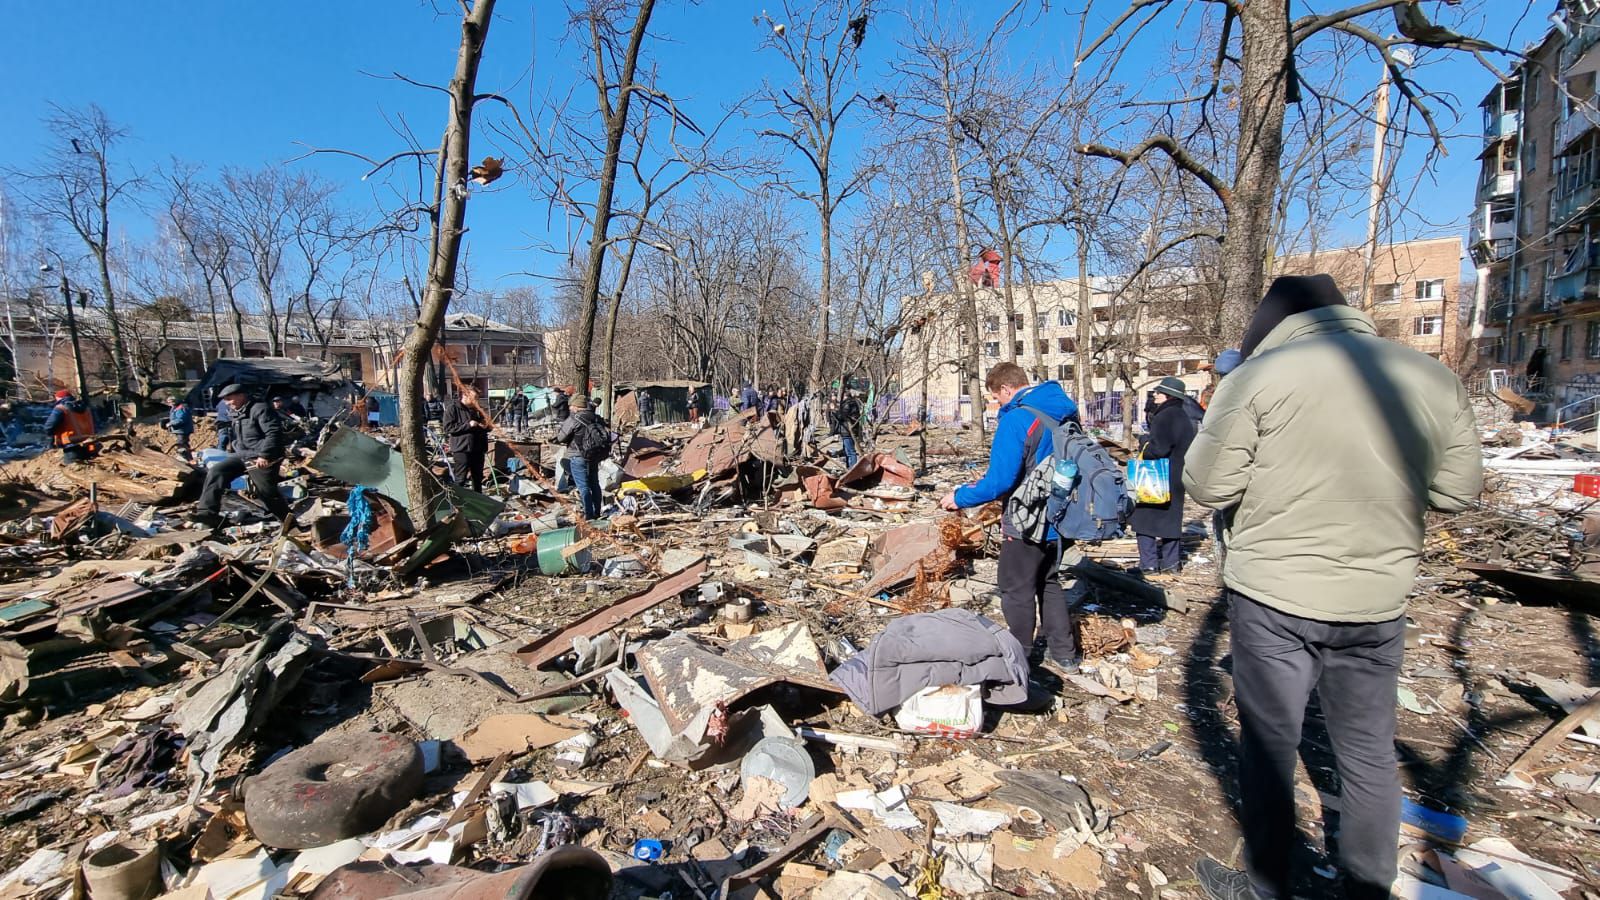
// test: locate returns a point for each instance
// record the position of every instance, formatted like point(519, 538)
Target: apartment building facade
point(1417, 301)
point(37, 358)
point(1535, 231)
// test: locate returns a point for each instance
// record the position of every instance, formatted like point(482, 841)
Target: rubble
point(672, 700)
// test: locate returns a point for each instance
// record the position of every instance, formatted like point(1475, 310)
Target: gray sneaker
point(1219, 882)
point(1061, 668)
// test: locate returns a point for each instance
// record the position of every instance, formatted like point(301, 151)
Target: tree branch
point(1179, 156)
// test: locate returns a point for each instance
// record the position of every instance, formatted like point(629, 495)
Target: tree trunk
point(616, 120)
point(1263, 83)
point(1083, 359)
point(448, 228)
point(825, 299)
point(119, 351)
point(624, 271)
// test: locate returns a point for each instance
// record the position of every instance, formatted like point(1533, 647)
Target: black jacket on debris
point(1171, 432)
point(459, 422)
point(258, 432)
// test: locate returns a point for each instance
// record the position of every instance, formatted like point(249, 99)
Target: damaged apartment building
point(1138, 334)
point(1533, 236)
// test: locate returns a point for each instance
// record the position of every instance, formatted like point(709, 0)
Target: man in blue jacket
point(1030, 589)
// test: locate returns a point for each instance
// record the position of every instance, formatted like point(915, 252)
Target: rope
point(357, 532)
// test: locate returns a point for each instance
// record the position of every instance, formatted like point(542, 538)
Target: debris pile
point(761, 674)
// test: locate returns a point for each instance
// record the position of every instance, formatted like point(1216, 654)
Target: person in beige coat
point(1329, 443)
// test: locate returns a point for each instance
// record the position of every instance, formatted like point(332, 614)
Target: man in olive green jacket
point(1329, 444)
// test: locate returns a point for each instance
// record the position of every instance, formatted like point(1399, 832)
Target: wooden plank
point(1522, 771)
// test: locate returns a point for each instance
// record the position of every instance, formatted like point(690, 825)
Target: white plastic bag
point(952, 710)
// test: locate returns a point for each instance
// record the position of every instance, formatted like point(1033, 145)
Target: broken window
point(1016, 348)
point(991, 349)
point(1041, 322)
point(1386, 293)
point(1066, 345)
point(991, 323)
point(1065, 318)
point(1044, 348)
point(1566, 341)
point(1591, 340)
point(1063, 373)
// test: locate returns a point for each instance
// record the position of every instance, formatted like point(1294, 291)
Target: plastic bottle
point(1063, 478)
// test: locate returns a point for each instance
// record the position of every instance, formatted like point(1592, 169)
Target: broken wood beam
point(1522, 771)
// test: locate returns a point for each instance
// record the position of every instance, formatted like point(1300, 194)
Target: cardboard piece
point(515, 733)
point(1078, 869)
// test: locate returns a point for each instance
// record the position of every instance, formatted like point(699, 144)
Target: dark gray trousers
point(1031, 596)
point(1355, 667)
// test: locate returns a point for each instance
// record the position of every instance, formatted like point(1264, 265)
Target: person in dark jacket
point(180, 421)
point(1030, 588)
point(1160, 527)
point(258, 448)
point(71, 427)
point(584, 462)
point(467, 434)
point(847, 425)
point(749, 397)
point(647, 408)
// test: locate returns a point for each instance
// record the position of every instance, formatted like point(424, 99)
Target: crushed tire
point(331, 790)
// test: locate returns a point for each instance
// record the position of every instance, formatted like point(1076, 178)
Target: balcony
point(1499, 126)
point(1486, 230)
point(1575, 48)
point(1583, 284)
point(1496, 186)
point(1573, 206)
point(1582, 120)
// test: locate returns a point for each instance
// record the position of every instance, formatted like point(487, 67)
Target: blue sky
point(234, 83)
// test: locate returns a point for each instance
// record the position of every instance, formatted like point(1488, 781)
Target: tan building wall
point(1420, 282)
point(1416, 289)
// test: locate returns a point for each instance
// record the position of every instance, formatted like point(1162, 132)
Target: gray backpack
point(1098, 505)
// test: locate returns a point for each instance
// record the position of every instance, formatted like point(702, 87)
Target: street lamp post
point(72, 329)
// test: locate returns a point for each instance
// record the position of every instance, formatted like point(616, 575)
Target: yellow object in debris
point(660, 484)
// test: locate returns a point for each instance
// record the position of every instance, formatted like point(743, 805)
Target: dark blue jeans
point(849, 444)
point(224, 435)
point(586, 475)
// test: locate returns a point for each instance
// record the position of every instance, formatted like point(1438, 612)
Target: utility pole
point(72, 329)
point(1380, 180)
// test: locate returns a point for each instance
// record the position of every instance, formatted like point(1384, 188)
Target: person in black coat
point(468, 434)
point(1160, 527)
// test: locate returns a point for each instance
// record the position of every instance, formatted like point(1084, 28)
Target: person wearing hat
point(1329, 444)
point(1226, 362)
point(70, 425)
point(1160, 526)
point(258, 448)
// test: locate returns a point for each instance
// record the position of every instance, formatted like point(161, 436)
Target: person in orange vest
point(71, 427)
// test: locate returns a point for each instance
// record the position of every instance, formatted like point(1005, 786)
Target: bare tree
point(447, 215)
point(614, 93)
point(821, 45)
point(78, 184)
point(1254, 69)
point(192, 212)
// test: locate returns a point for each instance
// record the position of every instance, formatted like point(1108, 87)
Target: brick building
point(1417, 301)
point(36, 356)
point(1535, 232)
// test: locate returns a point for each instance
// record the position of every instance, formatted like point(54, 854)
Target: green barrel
point(549, 547)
